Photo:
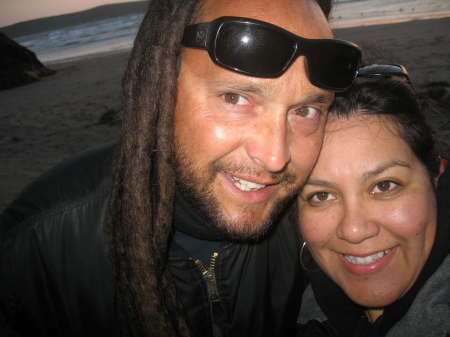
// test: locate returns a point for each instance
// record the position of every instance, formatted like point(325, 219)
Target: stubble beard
point(196, 187)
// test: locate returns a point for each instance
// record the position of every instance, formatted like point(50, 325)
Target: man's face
point(244, 145)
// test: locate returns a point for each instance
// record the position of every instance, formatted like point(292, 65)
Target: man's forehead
point(302, 17)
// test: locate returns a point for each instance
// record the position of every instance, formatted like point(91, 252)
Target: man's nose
point(268, 145)
point(357, 223)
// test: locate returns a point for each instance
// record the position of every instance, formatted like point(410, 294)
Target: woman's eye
point(321, 197)
point(307, 111)
point(384, 186)
point(234, 98)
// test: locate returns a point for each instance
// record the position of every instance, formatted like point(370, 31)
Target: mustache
point(283, 178)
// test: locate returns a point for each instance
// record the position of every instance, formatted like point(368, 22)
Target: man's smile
point(245, 185)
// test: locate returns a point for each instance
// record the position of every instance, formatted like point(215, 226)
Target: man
point(213, 147)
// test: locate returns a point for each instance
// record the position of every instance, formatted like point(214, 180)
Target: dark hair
point(140, 209)
point(326, 6)
point(143, 179)
point(394, 98)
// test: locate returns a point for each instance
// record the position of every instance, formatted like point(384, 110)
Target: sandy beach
point(80, 106)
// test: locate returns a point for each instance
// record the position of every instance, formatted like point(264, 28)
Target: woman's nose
point(357, 224)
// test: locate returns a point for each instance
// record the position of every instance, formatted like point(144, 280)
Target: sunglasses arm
point(195, 36)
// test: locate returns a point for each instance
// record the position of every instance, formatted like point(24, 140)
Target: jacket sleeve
point(55, 276)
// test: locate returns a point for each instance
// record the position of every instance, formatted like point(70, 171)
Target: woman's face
point(368, 212)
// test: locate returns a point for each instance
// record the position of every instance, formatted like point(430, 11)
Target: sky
point(14, 11)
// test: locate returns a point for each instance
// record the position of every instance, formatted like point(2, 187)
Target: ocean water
point(70, 43)
point(117, 34)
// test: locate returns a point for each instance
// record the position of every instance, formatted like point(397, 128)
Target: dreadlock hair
point(143, 179)
point(326, 6)
point(140, 209)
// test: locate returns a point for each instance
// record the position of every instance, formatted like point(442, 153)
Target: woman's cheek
point(315, 229)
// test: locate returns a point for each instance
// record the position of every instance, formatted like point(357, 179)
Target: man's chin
point(242, 231)
point(245, 227)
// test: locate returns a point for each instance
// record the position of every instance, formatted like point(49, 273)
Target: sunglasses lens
point(333, 65)
point(252, 49)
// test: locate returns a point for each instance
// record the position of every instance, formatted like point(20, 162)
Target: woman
point(375, 217)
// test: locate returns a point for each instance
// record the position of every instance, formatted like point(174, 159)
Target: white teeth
point(245, 185)
point(366, 259)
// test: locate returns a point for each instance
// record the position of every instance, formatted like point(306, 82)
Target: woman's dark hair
point(392, 97)
point(143, 179)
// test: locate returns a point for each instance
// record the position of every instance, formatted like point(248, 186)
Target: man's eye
point(234, 98)
point(384, 186)
point(307, 111)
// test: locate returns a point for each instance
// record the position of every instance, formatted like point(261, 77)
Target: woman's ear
point(442, 164)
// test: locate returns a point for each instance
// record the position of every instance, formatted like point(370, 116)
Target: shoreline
point(335, 24)
point(75, 59)
point(80, 106)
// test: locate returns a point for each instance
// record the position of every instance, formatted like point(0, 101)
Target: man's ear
point(442, 164)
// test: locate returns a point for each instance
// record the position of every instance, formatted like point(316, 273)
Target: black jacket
point(56, 277)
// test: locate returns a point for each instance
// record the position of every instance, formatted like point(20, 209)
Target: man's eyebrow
point(319, 98)
point(234, 85)
point(381, 168)
point(266, 90)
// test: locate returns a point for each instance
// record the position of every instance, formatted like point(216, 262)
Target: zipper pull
point(216, 309)
point(213, 261)
point(200, 266)
point(209, 275)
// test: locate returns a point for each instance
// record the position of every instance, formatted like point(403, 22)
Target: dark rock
point(439, 91)
point(19, 65)
point(438, 114)
point(111, 116)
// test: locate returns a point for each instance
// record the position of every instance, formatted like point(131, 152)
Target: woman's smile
point(368, 211)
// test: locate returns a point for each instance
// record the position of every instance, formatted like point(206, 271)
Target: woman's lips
point(366, 259)
point(369, 264)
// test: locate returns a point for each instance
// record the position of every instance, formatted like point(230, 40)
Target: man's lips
point(245, 185)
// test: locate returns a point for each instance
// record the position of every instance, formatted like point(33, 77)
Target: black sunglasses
point(383, 70)
point(260, 49)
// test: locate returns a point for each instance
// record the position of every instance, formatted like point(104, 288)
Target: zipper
point(216, 309)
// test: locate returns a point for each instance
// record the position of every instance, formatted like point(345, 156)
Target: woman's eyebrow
point(381, 168)
point(367, 175)
point(319, 183)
